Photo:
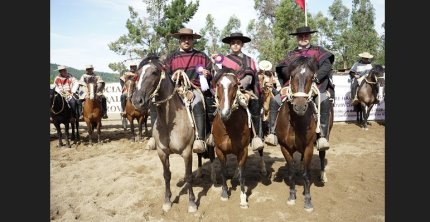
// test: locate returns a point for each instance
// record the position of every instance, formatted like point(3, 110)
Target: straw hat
point(186, 31)
point(89, 67)
point(265, 65)
point(60, 67)
point(236, 35)
point(365, 55)
point(303, 30)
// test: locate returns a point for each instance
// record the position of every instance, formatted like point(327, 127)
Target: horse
point(132, 113)
point(231, 129)
point(367, 94)
point(60, 113)
point(173, 129)
point(267, 79)
point(92, 111)
point(296, 123)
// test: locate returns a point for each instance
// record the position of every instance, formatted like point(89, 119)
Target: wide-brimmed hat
point(60, 67)
point(89, 67)
point(303, 30)
point(236, 35)
point(186, 31)
point(265, 65)
point(133, 63)
point(365, 55)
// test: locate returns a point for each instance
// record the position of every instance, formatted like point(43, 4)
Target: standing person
point(66, 85)
point(360, 69)
point(323, 79)
point(89, 75)
point(247, 75)
point(132, 74)
point(197, 66)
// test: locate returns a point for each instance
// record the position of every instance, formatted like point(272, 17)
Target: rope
point(53, 102)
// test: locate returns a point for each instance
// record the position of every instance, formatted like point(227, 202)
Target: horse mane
point(220, 73)
point(151, 57)
point(378, 70)
point(303, 60)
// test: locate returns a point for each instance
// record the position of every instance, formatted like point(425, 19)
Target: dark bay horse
point(92, 111)
point(133, 113)
point(231, 129)
point(173, 130)
point(60, 114)
point(297, 122)
point(367, 94)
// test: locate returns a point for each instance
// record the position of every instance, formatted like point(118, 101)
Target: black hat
point(236, 35)
point(303, 30)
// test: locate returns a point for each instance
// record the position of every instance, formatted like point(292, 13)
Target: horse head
point(302, 71)
point(151, 73)
point(91, 90)
point(227, 85)
point(377, 74)
point(130, 86)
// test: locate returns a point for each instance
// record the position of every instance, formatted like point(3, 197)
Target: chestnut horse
point(231, 129)
point(132, 113)
point(297, 122)
point(92, 111)
point(173, 130)
point(367, 94)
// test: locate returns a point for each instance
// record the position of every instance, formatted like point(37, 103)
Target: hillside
point(77, 73)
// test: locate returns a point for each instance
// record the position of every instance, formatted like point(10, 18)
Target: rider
point(359, 69)
point(65, 85)
point(197, 66)
point(247, 75)
point(323, 79)
point(126, 76)
point(88, 75)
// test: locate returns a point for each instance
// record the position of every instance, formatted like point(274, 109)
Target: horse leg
point(131, 120)
point(323, 176)
point(58, 128)
point(223, 161)
point(291, 175)
point(78, 138)
point(263, 170)
point(366, 116)
point(145, 121)
point(188, 160)
point(167, 175)
point(211, 153)
point(140, 122)
point(199, 165)
point(99, 124)
point(241, 159)
point(73, 130)
point(306, 177)
point(90, 133)
point(66, 131)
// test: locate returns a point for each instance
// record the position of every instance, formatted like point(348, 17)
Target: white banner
point(343, 111)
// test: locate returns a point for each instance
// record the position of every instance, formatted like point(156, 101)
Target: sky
point(80, 30)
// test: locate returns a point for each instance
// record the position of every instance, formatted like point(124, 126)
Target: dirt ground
point(123, 181)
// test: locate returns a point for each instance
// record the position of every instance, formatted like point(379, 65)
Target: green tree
point(233, 25)
point(210, 34)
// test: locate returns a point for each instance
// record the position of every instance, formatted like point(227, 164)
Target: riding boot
point(104, 107)
point(153, 115)
point(210, 115)
point(123, 100)
point(354, 87)
point(322, 141)
point(255, 110)
point(271, 139)
point(199, 146)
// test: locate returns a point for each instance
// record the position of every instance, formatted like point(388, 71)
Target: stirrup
point(271, 139)
point(257, 144)
point(322, 144)
point(199, 146)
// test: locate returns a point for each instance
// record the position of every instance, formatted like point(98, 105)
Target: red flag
point(301, 3)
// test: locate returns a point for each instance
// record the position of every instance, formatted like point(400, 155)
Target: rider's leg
point(210, 115)
point(274, 105)
point(322, 142)
point(199, 113)
point(104, 107)
point(255, 110)
point(354, 86)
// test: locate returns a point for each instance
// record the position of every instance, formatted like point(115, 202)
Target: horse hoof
point(244, 206)
point(323, 177)
point(224, 195)
point(166, 207)
point(192, 208)
point(224, 198)
point(309, 210)
point(291, 202)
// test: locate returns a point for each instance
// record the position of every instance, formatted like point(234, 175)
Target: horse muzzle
point(225, 114)
point(300, 105)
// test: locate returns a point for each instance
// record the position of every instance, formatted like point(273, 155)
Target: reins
point(53, 102)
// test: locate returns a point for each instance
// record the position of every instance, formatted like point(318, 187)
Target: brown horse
point(132, 113)
point(297, 123)
point(173, 130)
point(92, 111)
point(231, 129)
point(367, 93)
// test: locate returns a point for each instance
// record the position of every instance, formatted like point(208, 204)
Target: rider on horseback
point(66, 85)
point(358, 72)
point(126, 76)
point(89, 75)
point(323, 79)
